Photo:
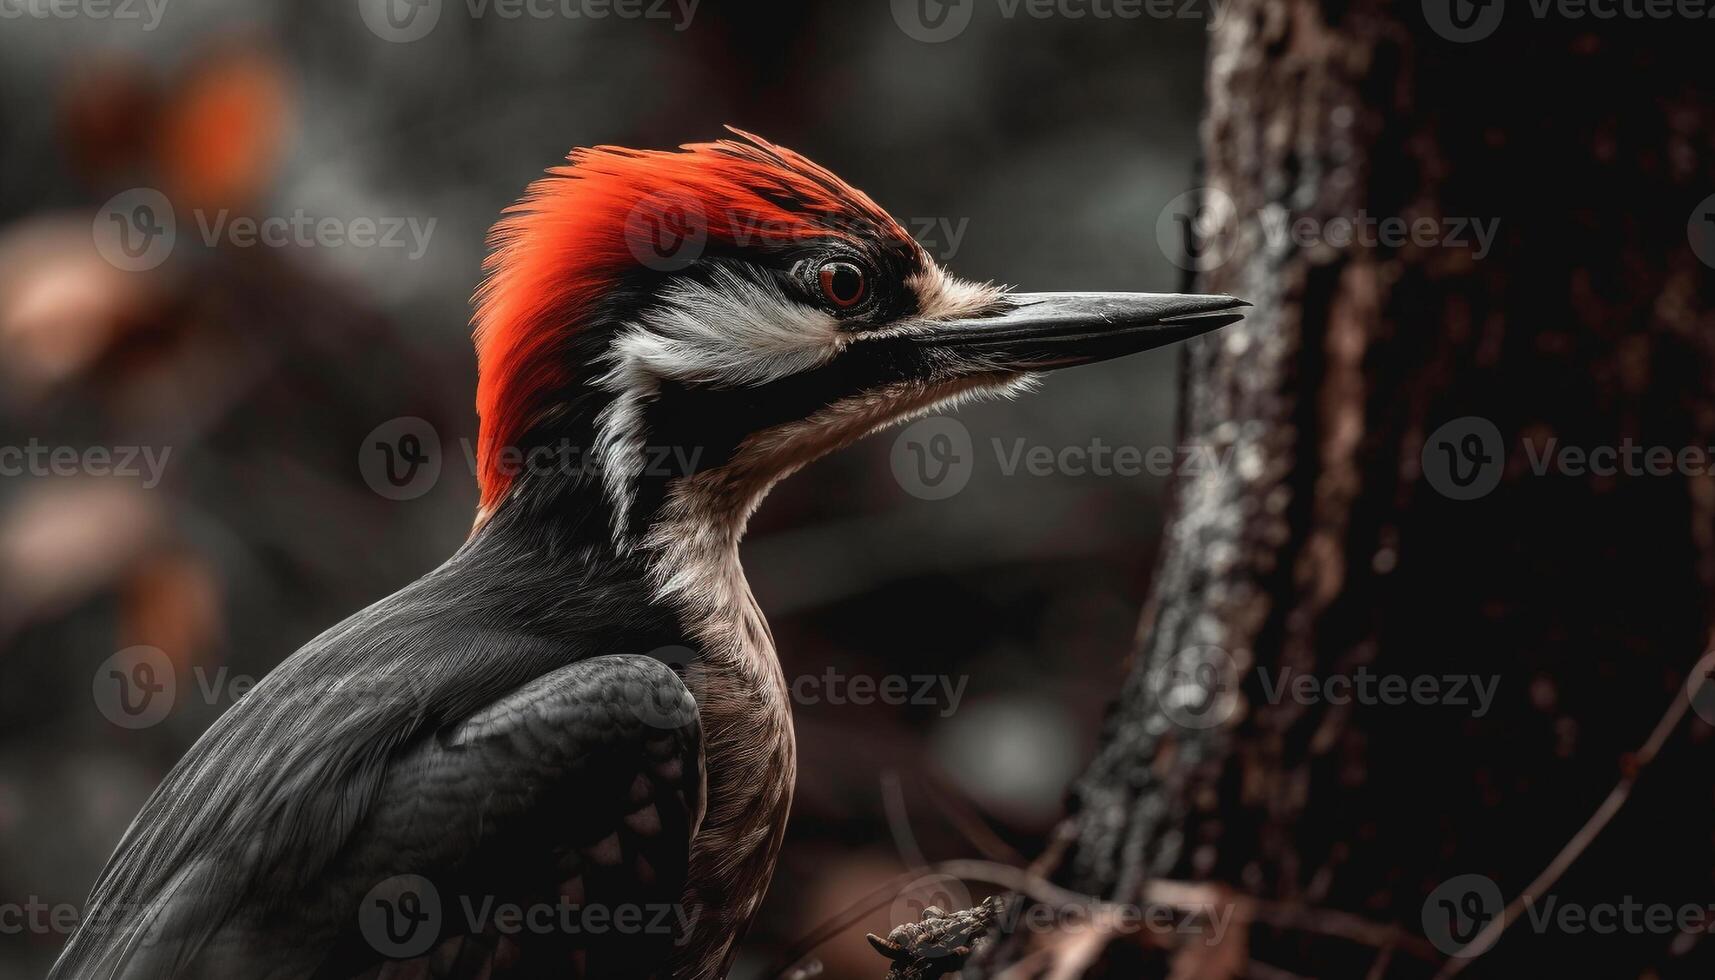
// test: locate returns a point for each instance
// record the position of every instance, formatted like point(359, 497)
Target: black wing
point(545, 835)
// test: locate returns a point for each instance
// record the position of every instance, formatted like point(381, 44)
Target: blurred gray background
point(1037, 151)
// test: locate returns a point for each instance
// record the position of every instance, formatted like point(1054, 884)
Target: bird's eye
point(843, 284)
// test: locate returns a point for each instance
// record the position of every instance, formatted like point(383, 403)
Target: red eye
point(843, 284)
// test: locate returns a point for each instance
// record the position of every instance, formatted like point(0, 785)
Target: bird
point(568, 750)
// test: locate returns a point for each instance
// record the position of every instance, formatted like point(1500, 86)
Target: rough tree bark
point(1324, 548)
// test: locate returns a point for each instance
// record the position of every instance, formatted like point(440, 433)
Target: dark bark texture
point(1324, 548)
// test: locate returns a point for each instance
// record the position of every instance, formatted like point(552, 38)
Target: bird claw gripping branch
point(939, 944)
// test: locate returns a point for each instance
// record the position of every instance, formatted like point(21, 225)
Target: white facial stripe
point(730, 331)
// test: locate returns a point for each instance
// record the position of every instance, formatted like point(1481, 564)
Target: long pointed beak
point(1044, 331)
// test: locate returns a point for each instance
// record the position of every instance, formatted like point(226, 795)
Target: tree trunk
point(1357, 533)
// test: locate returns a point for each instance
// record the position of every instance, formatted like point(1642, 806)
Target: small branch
point(1384, 959)
point(970, 824)
point(1587, 834)
point(1191, 898)
point(899, 820)
point(1200, 898)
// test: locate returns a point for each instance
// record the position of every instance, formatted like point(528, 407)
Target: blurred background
point(238, 379)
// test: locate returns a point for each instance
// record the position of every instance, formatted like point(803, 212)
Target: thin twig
point(1593, 827)
point(1198, 898)
point(899, 820)
point(969, 822)
point(1378, 969)
point(838, 923)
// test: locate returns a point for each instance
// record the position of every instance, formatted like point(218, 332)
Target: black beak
point(1043, 331)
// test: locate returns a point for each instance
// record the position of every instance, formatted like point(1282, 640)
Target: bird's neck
point(678, 530)
point(687, 564)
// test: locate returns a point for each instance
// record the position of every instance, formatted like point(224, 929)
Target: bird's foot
point(940, 943)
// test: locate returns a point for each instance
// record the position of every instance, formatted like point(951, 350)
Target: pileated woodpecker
point(495, 772)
